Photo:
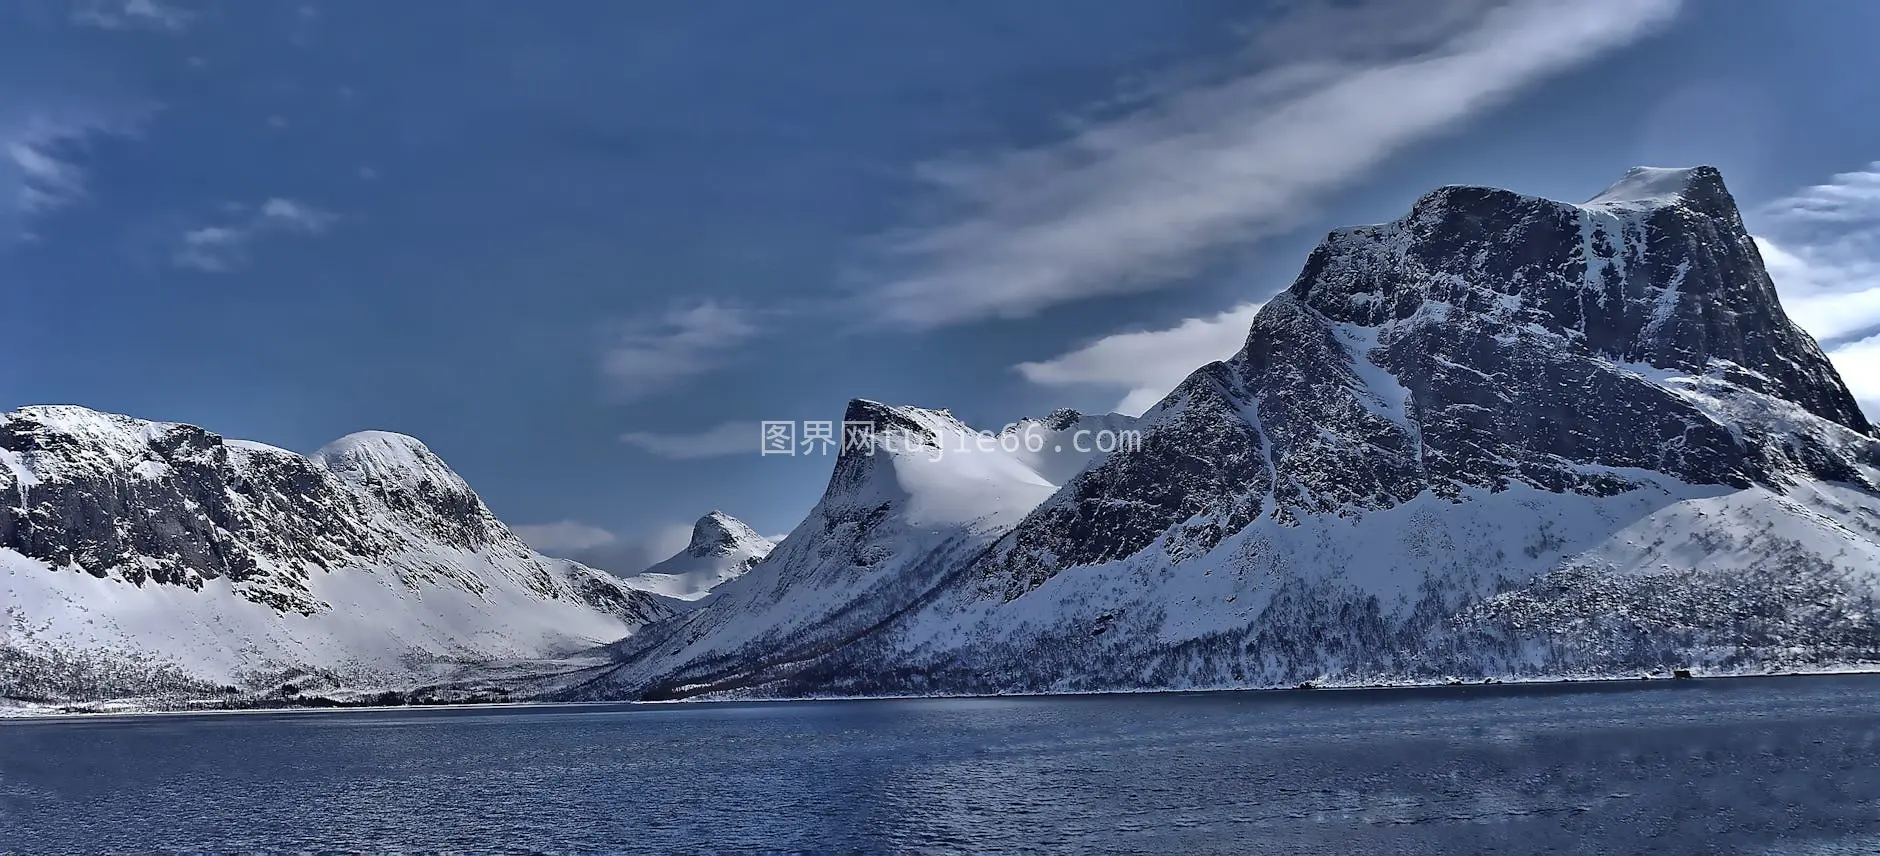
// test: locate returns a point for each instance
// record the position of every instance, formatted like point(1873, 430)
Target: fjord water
point(1754, 766)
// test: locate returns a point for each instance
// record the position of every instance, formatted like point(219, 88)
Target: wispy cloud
point(37, 174)
point(601, 548)
point(130, 14)
point(564, 536)
point(294, 216)
point(647, 356)
point(1831, 289)
point(225, 247)
point(211, 248)
point(1127, 202)
point(45, 181)
point(1848, 197)
point(1147, 363)
point(730, 438)
point(1822, 248)
point(1859, 364)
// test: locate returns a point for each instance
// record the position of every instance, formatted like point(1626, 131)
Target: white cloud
point(222, 248)
point(211, 248)
point(130, 14)
point(1127, 202)
point(1147, 363)
point(1825, 261)
point(564, 536)
point(1832, 292)
point(45, 181)
point(1848, 197)
point(662, 542)
point(641, 551)
point(1859, 365)
point(730, 438)
point(296, 216)
point(648, 356)
point(1822, 249)
point(36, 176)
point(598, 547)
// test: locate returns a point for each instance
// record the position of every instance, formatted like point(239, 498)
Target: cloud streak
point(1147, 363)
point(223, 248)
point(1822, 249)
point(729, 438)
point(37, 173)
point(1859, 364)
point(648, 356)
point(564, 536)
point(1823, 252)
point(1127, 203)
point(1848, 197)
point(1832, 290)
point(597, 547)
point(129, 15)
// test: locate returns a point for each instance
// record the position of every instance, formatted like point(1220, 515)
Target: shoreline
point(43, 713)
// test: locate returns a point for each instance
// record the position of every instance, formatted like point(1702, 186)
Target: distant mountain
point(722, 549)
point(149, 558)
point(1501, 436)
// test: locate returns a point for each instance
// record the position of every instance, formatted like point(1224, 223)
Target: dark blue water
point(1785, 765)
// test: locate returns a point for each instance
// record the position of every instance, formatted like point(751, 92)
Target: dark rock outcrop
point(170, 504)
point(1486, 338)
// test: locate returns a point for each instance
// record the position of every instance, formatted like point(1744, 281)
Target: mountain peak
point(407, 476)
point(387, 457)
point(722, 549)
point(719, 533)
point(378, 447)
point(1655, 186)
point(1061, 418)
point(1657, 270)
point(237, 559)
point(1641, 190)
point(894, 428)
point(889, 417)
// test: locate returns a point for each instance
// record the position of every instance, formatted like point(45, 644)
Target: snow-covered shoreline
point(14, 712)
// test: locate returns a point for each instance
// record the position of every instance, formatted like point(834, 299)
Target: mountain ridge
point(133, 548)
point(1451, 434)
point(1500, 436)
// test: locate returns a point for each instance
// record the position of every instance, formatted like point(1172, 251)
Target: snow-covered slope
point(141, 557)
point(901, 512)
point(722, 549)
point(1501, 436)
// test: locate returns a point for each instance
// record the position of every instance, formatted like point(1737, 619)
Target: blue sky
point(581, 249)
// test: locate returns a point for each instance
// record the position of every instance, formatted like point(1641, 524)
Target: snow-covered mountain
point(722, 549)
point(145, 557)
point(900, 514)
point(1501, 436)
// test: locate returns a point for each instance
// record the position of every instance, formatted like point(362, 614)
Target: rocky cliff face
point(163, 543)
point(1485, 339)
point(171, 504)
point(1502, 435)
